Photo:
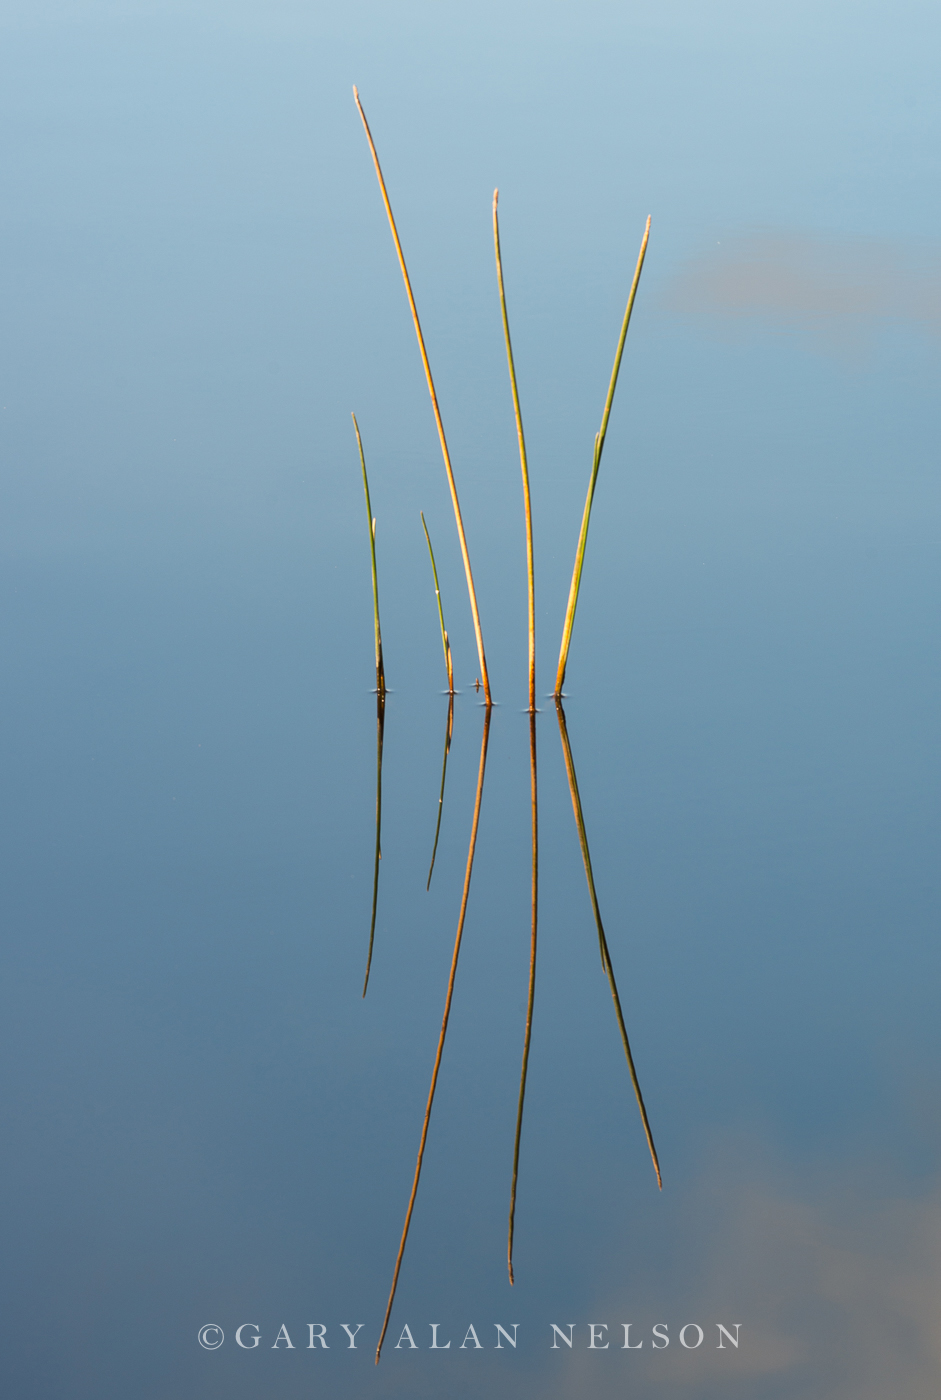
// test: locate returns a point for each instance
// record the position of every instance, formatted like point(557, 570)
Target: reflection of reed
point(602, 941)
point(380, 725)
point(532, 988)
point(444, 1022)
point(595, 464)
point(444, 769)
point(472, 594)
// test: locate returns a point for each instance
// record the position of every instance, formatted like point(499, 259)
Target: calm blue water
point(204, 1122)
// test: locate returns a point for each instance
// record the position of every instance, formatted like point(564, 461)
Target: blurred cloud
point(838, 1294)
point(838, 289)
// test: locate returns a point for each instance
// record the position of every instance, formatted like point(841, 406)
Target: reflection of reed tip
point(602, 940)
point(444, 771)
point(380, 727)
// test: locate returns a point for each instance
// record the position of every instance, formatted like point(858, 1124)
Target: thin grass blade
point(595, 464)
point(521, 439)
point(380, 669)
point(444, 636)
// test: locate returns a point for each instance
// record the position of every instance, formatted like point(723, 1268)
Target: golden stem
point(434, 403)
point(527, 508)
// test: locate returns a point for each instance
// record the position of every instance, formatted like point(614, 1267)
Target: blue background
point(203, 1121)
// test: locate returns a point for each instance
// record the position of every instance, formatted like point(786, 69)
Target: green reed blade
point(444, 636)
point(380, 671)
point(521, 439)
point(595, 464)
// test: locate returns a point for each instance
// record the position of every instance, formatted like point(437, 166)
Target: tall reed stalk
point(484, 676)
point(444, 636)
point(521, 439)
point(602, 940)
point(595, 464)
point(444, 1022)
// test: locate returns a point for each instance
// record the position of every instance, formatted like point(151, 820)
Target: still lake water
point(205, 1123)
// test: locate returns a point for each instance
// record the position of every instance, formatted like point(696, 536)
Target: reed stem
point(444, 636)
point(444, 1022)
point(602, 940)
point(595, 464)
point(532, 988)
point(485, 678)
point(380, 670)
point(527, 508)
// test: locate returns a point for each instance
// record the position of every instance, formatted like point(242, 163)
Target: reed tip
point(356, 92)
point(496, 196)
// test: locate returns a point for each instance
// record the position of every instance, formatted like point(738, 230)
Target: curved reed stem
point(595, 464)
point(532, 989)
point(527, 508)
point(444, 1022)
point(484, 676)
point(603, 942)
